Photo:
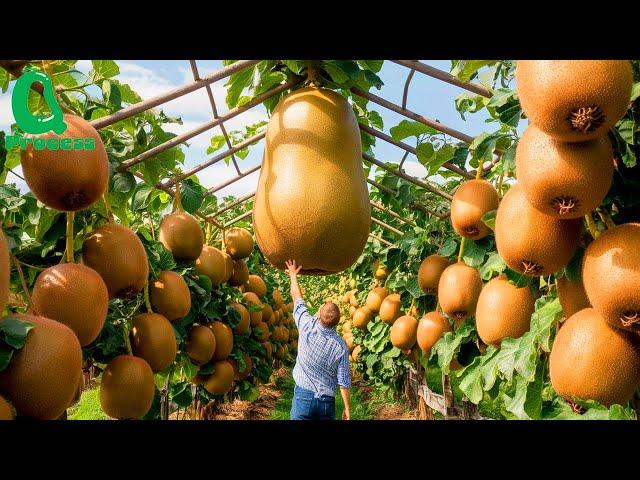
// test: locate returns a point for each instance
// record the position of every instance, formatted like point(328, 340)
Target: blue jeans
point(305, 406)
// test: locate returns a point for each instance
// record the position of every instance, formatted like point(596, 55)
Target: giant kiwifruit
point(375, 298)
point(531, 242)
point(117, 254)
point(362, 317)
point(6, 411)
point(611, 275)
point(238, 243)
point(503, 311)
point(4, 271)
point(240, 273)
point(170, 296)
point(42, 376)
point(256, 285)
point(181, 234)
point(127, 388)
point(221, 381)
point(572, 295)
point(429, 273)
point(200, 344)
point(390, 308)
point(75, 295)
point(253, 301)
point(458, 290)
point(244, 373)
point(432, 326)
point(564, 180)
point(404, 332)
point(471, 201)
point(245, 318)
point(212, 263)
point(65, 179)
point(224, 339)
point(574, 100)
point(153, 338)
point(590, 360)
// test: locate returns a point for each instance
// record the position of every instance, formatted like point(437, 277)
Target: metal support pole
point(233, 204)
point(237, 219)
point(381, 240)
point(387, 226)
point(388, 211)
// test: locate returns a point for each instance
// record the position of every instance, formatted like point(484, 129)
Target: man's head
point(329, 314)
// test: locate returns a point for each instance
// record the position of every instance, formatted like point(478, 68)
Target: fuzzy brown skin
point(224, 339)
point(431, 328)
point(169, 295)
point(362, 317)
point(458, 291)
point(572, 296)
point(355, 353)
point(375, 298)
point(248, 366)
point(574, 100)
point(429, 273)
point(404, 332)
point(6, 412)
point(213, 264)
point(256, 285)
point(391, 308)
point(245, 319)
point(238, 243)
point(181, 234)
point(472, 200)
point(201, 344)
point(240, 274)
point(4, 271)
point(312, 203)
point(251, 298)
point(153, 339)
point(126, 388)
point(228, 264)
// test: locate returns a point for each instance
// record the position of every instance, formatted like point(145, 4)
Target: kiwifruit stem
point(70, 216)
point(147, 301)
point(164, 404)
point(127, 341)
point(461, 251)
point(207, 235)
point(606, 218)
point(107, 207)
point(479, 171)
point(177, 199)
point(224, 241)
point(23, 283)
point(591, 226)
point(499, 185)
point(153, 233)
point(313, 73)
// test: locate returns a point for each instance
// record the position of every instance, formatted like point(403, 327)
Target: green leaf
point(471, 384)
point(424, 152)
point(626, 129)
point(492, 266)
point(191, 195)
point(341, 71)
point(449, 247)
point(489, 219)
point(103, 69)
point(124, 182)
point(473, 253)
point(14, 332)
point(4, 80)
point(140, 197)
point(373, 65)
point(408, 128)
point(236, 84)
point(465, 70)
point(217, 143)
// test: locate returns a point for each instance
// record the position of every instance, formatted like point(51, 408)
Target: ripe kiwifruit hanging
point(256, 285)
point(362, 317)
point(42, 376)
point(353, 301)
point(153, 338)
point(355, 354)
point(6, 412)
point(458, 290)
point(531, 242)
point(170, 296)
point(503, 311)
point(65, 179)
point(277, 297)
point(212, 263)
point(590, 360)
point(390, 308)
point(352, 310)
point(240, 273)
point(574, 100)
point(263, 330)
point(269, 348)
point(267, 313)
point(572, 296)
point(228, 270)
point(200, 344)
point(252, 299)
point(248, 365)
point(471, 201)
point(431, 328)
point(75, 295)
point(181, 234)
point(280, 353)
point(611, 275)
point(375, 298)
point(127, 388)
point(224, 339)
point(429, 273)
point(117, 254)
point(564, 180)
point(404, 332)
point(348, 339)
point(245, 318)
point(4, 271)
point(221, 381)
point(238, 243)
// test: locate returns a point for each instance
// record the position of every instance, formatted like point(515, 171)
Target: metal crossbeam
point(233, 204)
point(387, 226)
point(381, 187)
point(428, 211)
point(226, 183)
point(237, 219)
point(388, 211)
point(381, 240)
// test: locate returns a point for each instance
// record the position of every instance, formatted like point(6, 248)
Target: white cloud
point(221, 172)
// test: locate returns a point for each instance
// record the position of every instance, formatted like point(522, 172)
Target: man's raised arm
point(292, 271)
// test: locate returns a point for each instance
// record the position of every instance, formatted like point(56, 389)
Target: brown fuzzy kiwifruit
point(346, 326)
point(572, 296)
point(221, 381)
point(611, 275)
point(224, 339)
point(6, 411)
point(170, 296)
point(269, 348)
point(429, 273)
point(228, 264)
point(348, 339)
point(245, 318)
point(431, 327)
point(240, 273)
point(261, 332)
point(267, 313)
point(256, 285)
point(404, 332)
point(212, 263)
point(41, 378)
point(458, 291)
point(117, 254)
point(574, 100)
point(238, 243)
point(4, 271)
point(153, 338)
point(472, 200)
point(181, 234)
point(390, 308)
point(64, 179)
point(200, 344)
point(355, 353)
point(281, 352)
point(244, 373)
point(503, 311)
point(564, 180)
point(352, 310)
point(362, 317)
point(127, 388)
point(277, 297)
point(591, 360)
point(375, 298)
point(531, 242)
point(75, 295)
point(353, 301)
point(253, 302)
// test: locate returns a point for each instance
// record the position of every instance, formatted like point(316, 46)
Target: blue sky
point(427, 96)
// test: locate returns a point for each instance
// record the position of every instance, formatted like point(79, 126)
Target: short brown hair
point(329, 314)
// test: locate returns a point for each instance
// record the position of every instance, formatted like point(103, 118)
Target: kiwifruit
point(170, 296)
point(75, 295)
point(431, 327)
point(429, 273)
point(269, 348)
point(531, 242)
point(362, 317)
point(238, 243)
point(285, 334)
point(263, 336)
point(458, 291)
point(348, 339)
point(267, 313)
point(212, 263)
point(248, 366)
point(390, 308)
point(252, 299)
point(404, 332)
point(572, 296)
point(41, 379)
point(611, 275)
point(4, 271)
point(346, 326)
point(153, 338)
point(289, 306)
point(277, 297)
point(353, 301)
point(127, 388)
point(200, 344)
point(64, 179)
point(6, 411)
point(256, 285)
point(117, 254)
point(240, 273)
point(281, 352)
point(574, 100)
point(228, 264)
point(381, 272)
point(352, 310)
point(355, 353)
point(224, 339)
point(503, 311)
point(221, 381)
point(564, 180)
point(347, 296)
point(375, 298)
point(471, 201)
point(181, 234)
point(590, 360)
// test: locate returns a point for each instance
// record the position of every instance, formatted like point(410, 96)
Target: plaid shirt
point(323, 357)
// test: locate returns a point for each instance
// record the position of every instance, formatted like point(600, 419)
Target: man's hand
point(346, 415)
point(292, 268)
point(292, 271)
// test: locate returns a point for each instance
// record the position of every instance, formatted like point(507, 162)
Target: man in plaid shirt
point(322, 363)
